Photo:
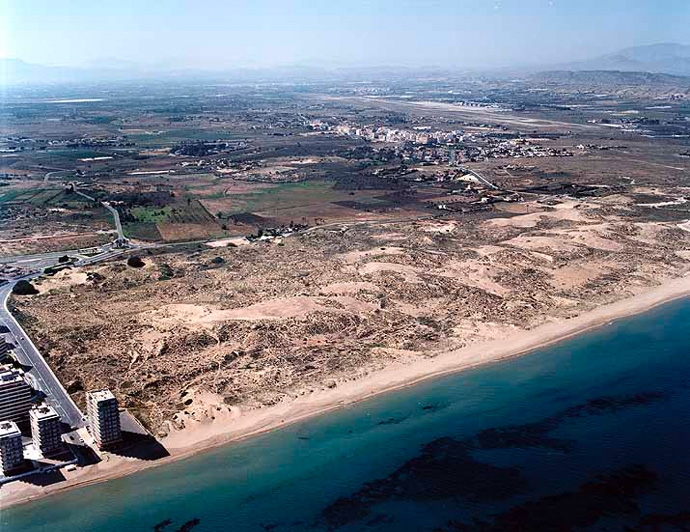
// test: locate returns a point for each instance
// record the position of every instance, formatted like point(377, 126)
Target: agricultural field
point(35, 219)
point(249, 157)
point(47, 197)
point(185, 220)
point(36, 196)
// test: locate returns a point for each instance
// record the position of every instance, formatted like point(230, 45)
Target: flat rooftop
point(102, 395)
point(10, 374)
point(9, 428)
point(43, 412)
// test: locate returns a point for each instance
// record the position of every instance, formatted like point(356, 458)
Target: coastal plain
point(294, 262)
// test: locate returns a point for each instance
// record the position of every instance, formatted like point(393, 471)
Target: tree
point(135, 262)
point(24, 288)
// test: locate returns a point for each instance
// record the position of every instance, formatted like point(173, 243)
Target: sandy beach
point(237, 425)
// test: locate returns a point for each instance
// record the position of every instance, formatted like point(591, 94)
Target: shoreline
point(239, 427)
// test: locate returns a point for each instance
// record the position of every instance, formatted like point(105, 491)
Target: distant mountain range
point(16, 72)
point(610, 77)
point(664, 58)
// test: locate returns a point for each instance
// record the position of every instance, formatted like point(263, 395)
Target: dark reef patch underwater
point(447, 469)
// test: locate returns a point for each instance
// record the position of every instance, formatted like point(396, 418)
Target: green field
point(191, 212)
point(202, 182)
point(142, 231)
point(185, 219)
point(285, 196)
point(173, 136)
point(152, 214)
point(12, 195)
point(303, 197)
point(43, 196)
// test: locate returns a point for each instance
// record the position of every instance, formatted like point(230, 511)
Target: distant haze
point(220, 34)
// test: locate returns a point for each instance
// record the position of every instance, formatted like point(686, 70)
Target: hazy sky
point(229, 33)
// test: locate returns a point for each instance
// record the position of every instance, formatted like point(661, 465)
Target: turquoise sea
point(589, 434)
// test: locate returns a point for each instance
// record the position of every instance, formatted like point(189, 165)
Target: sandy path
point(240, 425)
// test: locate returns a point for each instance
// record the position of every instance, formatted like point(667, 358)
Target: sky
point(219, 34)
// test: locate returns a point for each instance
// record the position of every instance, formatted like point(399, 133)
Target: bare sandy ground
point(512, 343)
point(62, 279)
point(236, 424)
point(236, 241)
point(186, 314)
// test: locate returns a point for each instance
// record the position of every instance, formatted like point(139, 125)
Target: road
point(42, 257)
point(38, 372)
point(118, 224)
point(116, 215)
point(40, 375)
point(51, 174)
point(481, 178)
point(85, 256)
point(376, 221)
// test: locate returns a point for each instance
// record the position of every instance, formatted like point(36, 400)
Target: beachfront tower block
point(11, 451)
point(4, 346)
point(46, 429)
point(15, 395)
point(104, 418)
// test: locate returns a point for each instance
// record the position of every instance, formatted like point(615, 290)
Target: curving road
point(39, 375)
point(118, 224)
point(38, 372)
point(116, 215)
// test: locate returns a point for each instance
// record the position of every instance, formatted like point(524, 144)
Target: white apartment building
point(46, 429)
point(11, 451)
point(104, 418)
point(15, 394)
point(4, 346)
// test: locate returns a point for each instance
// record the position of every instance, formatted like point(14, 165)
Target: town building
point(4, 346)
point(104, 418)
point(11, 450)
point(15, 394)
point(46, 429)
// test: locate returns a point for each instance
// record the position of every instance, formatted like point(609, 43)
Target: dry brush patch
point(256, 324)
